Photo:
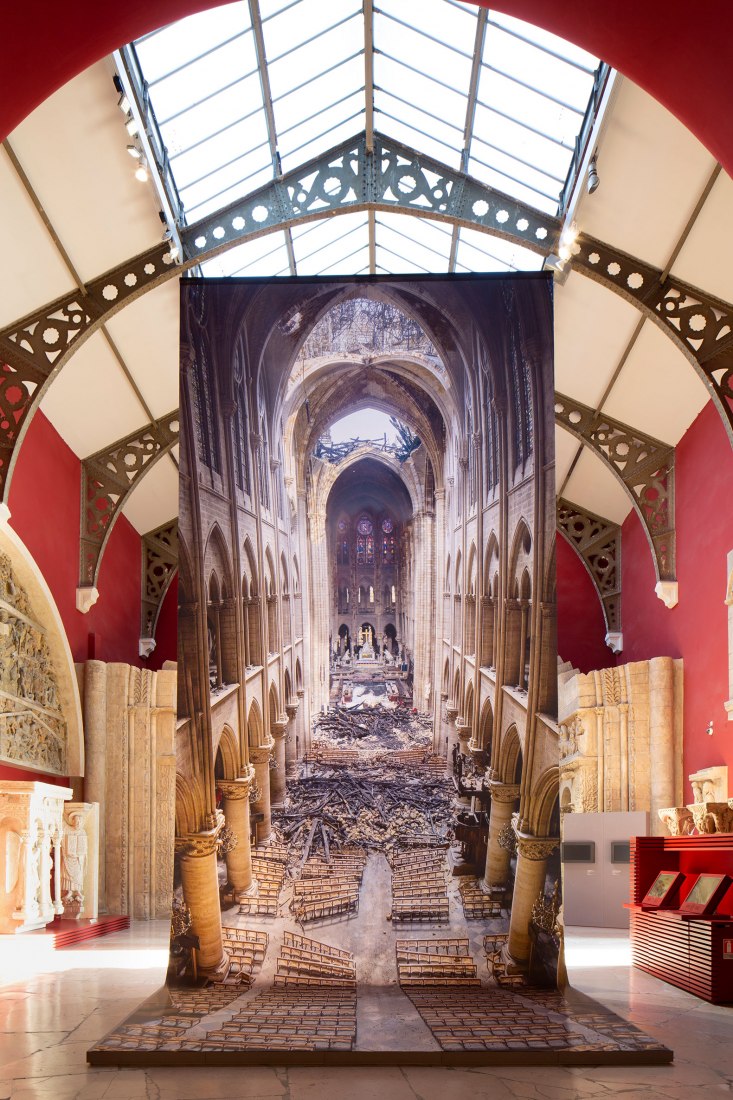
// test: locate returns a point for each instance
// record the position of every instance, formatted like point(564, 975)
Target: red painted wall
point(696, 629)
point(581, 628)
point(23, 775)
point(166, 633)
point(45, 501)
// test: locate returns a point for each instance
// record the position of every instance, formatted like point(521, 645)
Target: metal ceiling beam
point(472, 98)
point(369, 73)
point(393, 178)
point(159, 566)
point(643, 465)
point(108, 480)
point(597, 542)
point(264, 72)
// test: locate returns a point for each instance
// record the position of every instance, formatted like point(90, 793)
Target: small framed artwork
point(705, 895)
point(662, 894)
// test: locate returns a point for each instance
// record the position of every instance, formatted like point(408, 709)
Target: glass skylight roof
point(251, 89)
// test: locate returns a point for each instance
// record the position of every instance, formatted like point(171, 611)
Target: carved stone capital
point(536, 847)
point(702, 817)
point(677, 820)
point(615, 641)
point(146, 646)
point(503, 792)
point(291, 709)
point(234, 790)
point(279, 727)
point(198, 845)
point(451, 712)
point(260, 753)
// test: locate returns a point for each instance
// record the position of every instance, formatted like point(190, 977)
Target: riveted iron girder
point(392, 177)
point(108, 479)
point(643, 465)
point(160, 562)
point(597, 542)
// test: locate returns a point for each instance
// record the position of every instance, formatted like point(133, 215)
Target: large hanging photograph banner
point(367, 862)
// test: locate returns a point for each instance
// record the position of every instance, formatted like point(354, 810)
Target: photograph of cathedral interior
point(633, 222)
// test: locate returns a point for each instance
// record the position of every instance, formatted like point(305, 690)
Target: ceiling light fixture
point(141, 172)
point(592, 179)
point(172, 245)
point(135, 151)
point(132, 126)
point(124, 104)
point(568, 238)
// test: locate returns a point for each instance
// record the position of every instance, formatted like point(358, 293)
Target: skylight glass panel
point(181, 42)
point(230, 184)
point(480, 252)
point(307, 97)
point(292, 64)
point(206, 91)
point(188, 83)
point(575, 54)
point(407, 59)
point(325, 246)
point(533, 65)
point(263, 256)
point(413, 240)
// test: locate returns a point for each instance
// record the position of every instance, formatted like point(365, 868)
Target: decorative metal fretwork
point(160, 562)
point(700, 324)
point(643, 465)
point(348, 178)
point(597, 542)
point(108, 478)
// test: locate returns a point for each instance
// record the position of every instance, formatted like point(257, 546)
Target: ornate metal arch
point(350, 177)
point(643, 465)
point(597, 543)
point(108, 479)
point(160, 564)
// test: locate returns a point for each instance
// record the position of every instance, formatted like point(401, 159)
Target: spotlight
point(172, 246)
point(131, 126)
point(124, 104)
point(141, 172)
point(592, 179)
point(135, 152)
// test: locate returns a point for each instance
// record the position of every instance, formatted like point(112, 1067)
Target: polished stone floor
point(54, 1006)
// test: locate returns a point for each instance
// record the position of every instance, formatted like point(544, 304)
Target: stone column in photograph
point(498, 856)
point(260, 758)
point(236, 814)
point(532, 855)
point(291, 758)
point(200, 882)
point(278, 729)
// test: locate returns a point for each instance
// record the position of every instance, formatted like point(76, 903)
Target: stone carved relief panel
point(621, 737)
point(32, 726)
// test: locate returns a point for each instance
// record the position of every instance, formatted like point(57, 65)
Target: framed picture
point(663, 892)
point(705, 895)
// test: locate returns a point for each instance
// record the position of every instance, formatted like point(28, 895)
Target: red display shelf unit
point(693, 953)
